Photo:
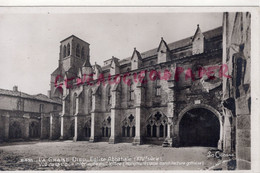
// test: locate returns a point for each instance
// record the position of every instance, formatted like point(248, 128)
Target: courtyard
point(82, 155)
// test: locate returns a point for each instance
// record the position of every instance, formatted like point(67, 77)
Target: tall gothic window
point(78, 50)
point(128, 126)
point(82, 53)
point(108, 95)
point(64, 51)
point(157, 86)
point(88, 128)
point(156, 126)
point(131, 91)
point(68, 49)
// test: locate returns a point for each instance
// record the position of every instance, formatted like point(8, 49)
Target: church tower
point(74, 52)
point(73, 56)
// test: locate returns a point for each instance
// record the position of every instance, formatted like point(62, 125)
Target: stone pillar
point(51, 126)
point(95, 119)
point(54, 126)
point(171, 112)
point(227, 143)
point(75, 129)
point(26, 123)
point(139, 115)
point(115, 126)
point(64, 117)
point(115, 114)
point(6, 126)
point(76, 120)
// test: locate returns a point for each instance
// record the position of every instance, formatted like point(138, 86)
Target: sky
point(30, 43)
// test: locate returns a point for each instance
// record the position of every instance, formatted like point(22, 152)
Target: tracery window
point(156, 125)
point(128, 126)
point(106, 127)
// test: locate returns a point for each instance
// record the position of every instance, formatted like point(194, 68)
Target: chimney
point(15, 88)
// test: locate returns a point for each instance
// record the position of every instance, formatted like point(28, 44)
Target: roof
point(39, 97)
point(74, 37)
point(177, 44)
point(137, 53)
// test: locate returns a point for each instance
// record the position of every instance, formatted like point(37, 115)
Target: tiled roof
point(39, 97)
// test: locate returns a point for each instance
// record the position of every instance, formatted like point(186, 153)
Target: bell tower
point(74, 52)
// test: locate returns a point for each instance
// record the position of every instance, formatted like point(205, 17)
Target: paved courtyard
point(68, 155)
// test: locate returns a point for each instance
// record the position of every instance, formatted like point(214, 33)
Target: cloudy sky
point(29, 43)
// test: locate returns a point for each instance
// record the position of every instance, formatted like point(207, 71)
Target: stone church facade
point(170, 95)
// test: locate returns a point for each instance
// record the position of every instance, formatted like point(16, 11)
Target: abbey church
point(192, 92)
point(181, 110)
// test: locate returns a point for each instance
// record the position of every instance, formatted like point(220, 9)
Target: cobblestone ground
point(68, 155)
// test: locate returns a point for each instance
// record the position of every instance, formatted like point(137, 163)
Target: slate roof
point(39, 97)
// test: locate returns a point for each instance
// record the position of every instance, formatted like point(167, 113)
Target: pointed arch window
point(68, 49)
point(109, 95)
point(131, 91)
point(128, 126)
point(157, 126)
point(157, 86)
point(82, 53)
point(106, 127)
point(64, 51)
point(78, 50)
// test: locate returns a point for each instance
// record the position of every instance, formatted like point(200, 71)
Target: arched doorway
point(199, 126)
point(15, 130)
point(34, 129)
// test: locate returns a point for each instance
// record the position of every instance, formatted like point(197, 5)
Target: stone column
point(6, 126)
point(64, 119)
point(227, 143)
point(76, 120)
point(51, 126)
point(95, 119)
point(171, 112)
point(139, 116)
point(115, 114)
point(26, 119)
